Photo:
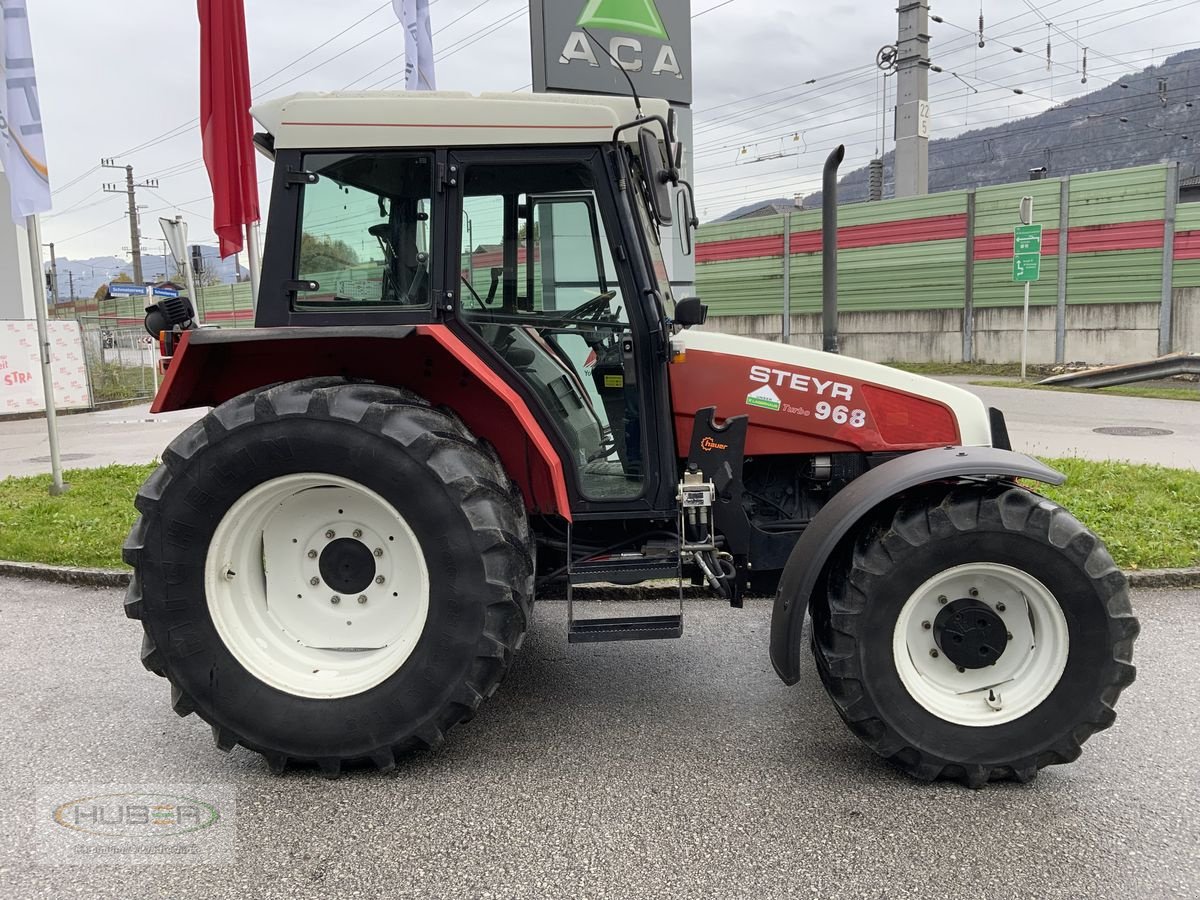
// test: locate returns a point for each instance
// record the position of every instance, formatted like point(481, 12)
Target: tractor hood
point(806, 401)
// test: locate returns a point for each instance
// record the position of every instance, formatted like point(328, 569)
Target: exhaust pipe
point(829, 274)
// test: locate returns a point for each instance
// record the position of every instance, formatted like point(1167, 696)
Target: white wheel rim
point(291, 633)
point(1022, 677)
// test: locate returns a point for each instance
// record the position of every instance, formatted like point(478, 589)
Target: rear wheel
point(976, 634)
point(329, 572)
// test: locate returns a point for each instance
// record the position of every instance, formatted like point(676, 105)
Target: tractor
point(470, 382)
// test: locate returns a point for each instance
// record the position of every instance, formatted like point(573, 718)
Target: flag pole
point(33, 232)
point(254, 262)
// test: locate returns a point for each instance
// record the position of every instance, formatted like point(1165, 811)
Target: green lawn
point(1146, 514)
point(994, 370)
point(1155, 392)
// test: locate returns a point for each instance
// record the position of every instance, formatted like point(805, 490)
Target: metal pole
point(968, 338)
point(787, 278)
point(1025, 333)
point(255, 264)
point(1165, 310)
point(1064, 230)
point(33, 231)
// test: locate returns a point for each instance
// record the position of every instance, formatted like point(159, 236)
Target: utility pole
point(71, 281)
point(53, 282)
point(912, 99)
point(130, 189)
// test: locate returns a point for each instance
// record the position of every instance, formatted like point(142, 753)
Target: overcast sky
point(114, 77)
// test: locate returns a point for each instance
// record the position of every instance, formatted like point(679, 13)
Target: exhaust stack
point(829, 274)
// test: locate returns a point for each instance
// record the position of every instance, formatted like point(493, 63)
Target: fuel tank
point(806, 401)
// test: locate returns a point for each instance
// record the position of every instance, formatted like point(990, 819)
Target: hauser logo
point(630, 17)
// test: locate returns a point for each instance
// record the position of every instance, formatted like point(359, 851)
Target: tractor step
point(630, 569)
point(631, 628)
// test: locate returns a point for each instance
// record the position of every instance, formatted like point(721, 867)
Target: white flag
point(418, 44)
point(22, 147)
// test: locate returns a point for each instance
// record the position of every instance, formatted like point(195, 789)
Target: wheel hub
point(970, 634)
point(347, 566)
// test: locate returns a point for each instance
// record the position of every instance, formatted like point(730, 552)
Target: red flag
point(225, 123)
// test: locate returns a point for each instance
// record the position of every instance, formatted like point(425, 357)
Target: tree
point(324, 254)
point(102, 291)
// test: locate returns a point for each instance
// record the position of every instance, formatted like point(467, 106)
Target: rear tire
point(373, 494)
point(891, 655)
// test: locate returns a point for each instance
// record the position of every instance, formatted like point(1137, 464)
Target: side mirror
point(690, 311)
point(658, 176)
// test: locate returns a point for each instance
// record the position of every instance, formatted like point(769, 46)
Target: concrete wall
point(1185, 320)
point(1096, 333)
point(16, 287)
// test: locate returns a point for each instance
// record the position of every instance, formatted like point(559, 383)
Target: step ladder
point(623, 569)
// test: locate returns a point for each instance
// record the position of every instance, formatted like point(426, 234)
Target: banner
point(21, 368)
point(418, 44)
point(22, 146)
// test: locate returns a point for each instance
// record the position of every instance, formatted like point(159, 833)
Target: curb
point(118, 578)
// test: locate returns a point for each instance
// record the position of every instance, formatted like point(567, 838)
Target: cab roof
point(349, 120)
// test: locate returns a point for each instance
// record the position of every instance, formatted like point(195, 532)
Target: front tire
point(330, 572)
point(975, 634)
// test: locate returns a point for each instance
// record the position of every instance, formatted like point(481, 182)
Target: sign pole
point(33, 231)
point(1025, 332)
point(1027, 266)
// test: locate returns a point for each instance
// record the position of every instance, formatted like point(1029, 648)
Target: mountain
point(1123, 124)
point(86, 275)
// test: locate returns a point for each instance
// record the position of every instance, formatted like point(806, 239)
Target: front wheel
point(976, 634)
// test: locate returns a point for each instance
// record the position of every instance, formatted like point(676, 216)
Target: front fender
point(855, 502)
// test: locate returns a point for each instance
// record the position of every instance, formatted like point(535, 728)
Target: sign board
point(652, 39)
point(136, 290)
point(1027, 253)
point(21, 367)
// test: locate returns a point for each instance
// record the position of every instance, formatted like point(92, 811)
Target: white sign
point(923, 119)
point(21, 367)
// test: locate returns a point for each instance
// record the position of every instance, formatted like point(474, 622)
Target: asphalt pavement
point(653, 769)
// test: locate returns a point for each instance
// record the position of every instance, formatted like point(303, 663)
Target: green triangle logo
point(629, 16)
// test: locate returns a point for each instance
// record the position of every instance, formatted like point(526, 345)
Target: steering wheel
point(593, 307)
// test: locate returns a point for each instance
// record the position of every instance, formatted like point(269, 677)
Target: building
point(16, 280)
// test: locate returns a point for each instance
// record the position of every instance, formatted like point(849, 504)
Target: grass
point(1145, 514)
point(994, 370)
point(84, 527)
point(112, 383)
point(1155, 392)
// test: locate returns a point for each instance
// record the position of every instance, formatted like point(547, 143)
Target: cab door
point(546, 291)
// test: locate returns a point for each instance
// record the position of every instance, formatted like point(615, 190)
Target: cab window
point(365, 232)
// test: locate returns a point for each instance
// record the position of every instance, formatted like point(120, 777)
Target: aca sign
point(650, 39)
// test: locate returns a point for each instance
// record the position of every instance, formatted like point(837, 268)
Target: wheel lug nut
point(1000, 607)
point(933, 652)
point(335, 599)
point(379, 551)
point(926, 625)
point(358, 532)
point(312, 554)
point(960, 668)
point(314, 581)
point(379, 579)
point(974, 592)
point(1010, 635)
point(942, 599)
point(330, 534)
point(362, 598)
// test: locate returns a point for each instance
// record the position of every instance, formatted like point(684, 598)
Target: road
point(675, 769)
point(1044, 423)
point(1055, 423)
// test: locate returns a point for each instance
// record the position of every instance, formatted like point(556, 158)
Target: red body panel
point(432, 361)
point(796, 410)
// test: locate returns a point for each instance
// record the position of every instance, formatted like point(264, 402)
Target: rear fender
point(852, 505)
point(211, 366)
